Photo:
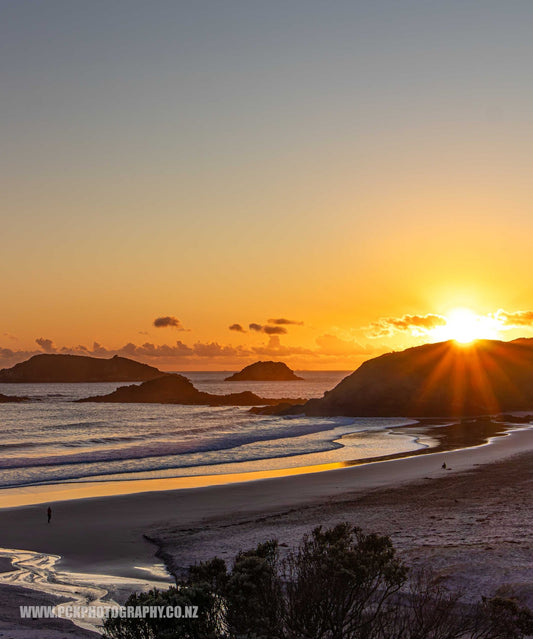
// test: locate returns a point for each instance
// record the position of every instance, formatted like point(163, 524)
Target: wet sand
point(472, 520)
point(13, 627)
point(108, 535)
point(435, 435)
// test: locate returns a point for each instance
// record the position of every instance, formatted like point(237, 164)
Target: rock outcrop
point(264, 372)
point(435, 380)
point(59, 368)
point(177, 389)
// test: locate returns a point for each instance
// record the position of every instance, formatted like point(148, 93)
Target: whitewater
point(51, 439)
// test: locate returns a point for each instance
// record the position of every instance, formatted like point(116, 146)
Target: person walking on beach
point(49, 513)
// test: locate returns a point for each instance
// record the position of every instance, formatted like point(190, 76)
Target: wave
point(74, 425)
point(147, 465)
point(165, 448)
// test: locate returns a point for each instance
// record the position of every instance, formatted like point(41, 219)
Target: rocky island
point(264, 372)
point(58, 368)
point(177, 389)
point(446, 379)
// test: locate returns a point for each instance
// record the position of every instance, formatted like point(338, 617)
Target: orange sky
point(224, 163)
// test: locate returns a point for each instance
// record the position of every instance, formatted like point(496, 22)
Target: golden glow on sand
point(464, 326)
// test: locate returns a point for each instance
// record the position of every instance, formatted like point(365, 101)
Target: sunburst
point(465, 326)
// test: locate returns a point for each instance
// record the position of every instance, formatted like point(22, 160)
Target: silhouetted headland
point(446, 379)
point(10, 399)
point(177, 389)
point(264, 372)
point(77, 368)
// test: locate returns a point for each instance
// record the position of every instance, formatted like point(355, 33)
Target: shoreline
point(449, 436)
point(109, 534)
point(122, 536)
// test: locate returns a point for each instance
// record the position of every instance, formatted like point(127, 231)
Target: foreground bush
point(339, 584)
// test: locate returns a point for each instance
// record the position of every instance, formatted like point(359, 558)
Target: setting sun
point(464, 326)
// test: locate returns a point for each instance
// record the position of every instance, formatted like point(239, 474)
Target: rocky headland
point(446, 379)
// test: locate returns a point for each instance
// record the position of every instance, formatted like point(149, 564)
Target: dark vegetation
point(339, 584)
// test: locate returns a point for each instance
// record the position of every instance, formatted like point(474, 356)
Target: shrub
point(339, 584)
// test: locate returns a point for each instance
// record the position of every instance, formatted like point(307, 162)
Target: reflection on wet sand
point(436, 436)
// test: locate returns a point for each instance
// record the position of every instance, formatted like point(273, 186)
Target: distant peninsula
point(177, 389)
point(446, 379)
point(11, 399)
point(264, 372)
point(58, 368)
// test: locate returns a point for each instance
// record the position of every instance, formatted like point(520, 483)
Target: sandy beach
point(471, 521)
point(266, 266)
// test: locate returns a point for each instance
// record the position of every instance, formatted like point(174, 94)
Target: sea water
point(52, 439)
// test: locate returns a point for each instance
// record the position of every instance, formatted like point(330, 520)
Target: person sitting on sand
point(49, 513)
point(443, 466)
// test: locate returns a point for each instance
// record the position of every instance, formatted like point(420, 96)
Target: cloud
point(269, 330)
point(46, 344)
point(274, 330)
point(17, 356)
point(152, 350)
point(168, 322)
point(417, 325)
point(79, 349)
point(14, 338)
point(329, 349)
point(516, 319)
point(331, 345)
point(214, 349)
point(237, 327)
point(99, 350)
point(274, 348)
point(282, 321)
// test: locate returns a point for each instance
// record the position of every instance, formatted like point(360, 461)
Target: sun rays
point(481, 379)
point(465, 326)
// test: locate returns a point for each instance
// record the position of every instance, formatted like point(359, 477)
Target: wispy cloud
point(515, 319)
point(331, 345)
point(282, 321)
point(274, 348)
point(11, 356)
point(237, 327)
point(417, 325)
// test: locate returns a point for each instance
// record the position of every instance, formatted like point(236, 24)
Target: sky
point(356, 169)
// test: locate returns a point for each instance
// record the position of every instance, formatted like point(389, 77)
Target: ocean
point(51, 439)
